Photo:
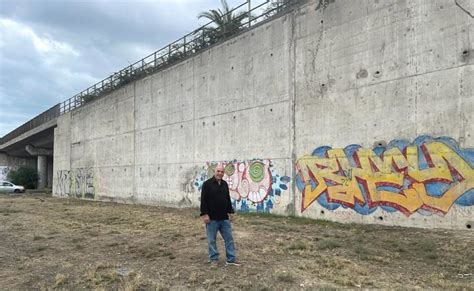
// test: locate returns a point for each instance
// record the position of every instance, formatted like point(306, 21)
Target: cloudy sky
point(52, 49)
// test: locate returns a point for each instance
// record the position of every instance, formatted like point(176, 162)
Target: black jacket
point(215, 200)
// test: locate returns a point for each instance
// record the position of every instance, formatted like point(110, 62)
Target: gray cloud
point(53, 49)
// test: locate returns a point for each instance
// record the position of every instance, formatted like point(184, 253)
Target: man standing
point(216, 213)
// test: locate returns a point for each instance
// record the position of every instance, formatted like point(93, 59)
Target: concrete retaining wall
point(354, 112)
point(9, 163)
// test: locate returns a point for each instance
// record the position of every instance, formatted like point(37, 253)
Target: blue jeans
point(224, 227)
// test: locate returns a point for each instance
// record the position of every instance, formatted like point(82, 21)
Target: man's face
point(219, 173)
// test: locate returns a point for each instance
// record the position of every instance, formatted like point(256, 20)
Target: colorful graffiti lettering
point(427, 176)
point(77, 183)
point(254, 185)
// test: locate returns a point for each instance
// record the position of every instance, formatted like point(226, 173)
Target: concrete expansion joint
point(466, 6)
point(382, 81)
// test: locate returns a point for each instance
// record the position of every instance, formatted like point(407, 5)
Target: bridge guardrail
point(42, 118)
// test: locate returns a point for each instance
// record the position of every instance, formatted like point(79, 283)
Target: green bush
point(24, 176)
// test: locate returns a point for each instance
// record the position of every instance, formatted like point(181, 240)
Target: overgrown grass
point(60, 280)
point(38, 249)
point(5, 210)
point(328, 244)
point(286, 277)
point(396, 246)
point(38, 237)
point(290, 219)
point(103, 274)
point(142, 247)
point(299, 245)
point(362, 251)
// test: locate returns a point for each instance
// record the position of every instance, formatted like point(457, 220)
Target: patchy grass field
point(70, 244)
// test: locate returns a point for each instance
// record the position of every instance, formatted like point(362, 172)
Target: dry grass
point(60, 280)
point(75, 244)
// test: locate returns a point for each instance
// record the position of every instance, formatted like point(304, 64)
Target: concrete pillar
point(42, 171)
point(50, 173)
point(42, 166)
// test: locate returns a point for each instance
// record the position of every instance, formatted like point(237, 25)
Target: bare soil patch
point(52, 243)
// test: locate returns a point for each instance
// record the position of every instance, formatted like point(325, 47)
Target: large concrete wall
point(354, 111)
point(9, 163)
point(386, 72)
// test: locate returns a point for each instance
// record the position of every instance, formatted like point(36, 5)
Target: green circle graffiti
point(210, 170)
point(256, 171)
point(229, 169)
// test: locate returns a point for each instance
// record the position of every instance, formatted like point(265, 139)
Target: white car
point(6, 186)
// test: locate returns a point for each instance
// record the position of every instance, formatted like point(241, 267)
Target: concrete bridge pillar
point(42, 171)
point(50, 173)
point(42, 164)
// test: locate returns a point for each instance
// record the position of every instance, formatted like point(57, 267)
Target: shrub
point(24, 176)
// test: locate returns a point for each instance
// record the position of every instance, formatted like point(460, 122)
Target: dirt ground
point(52, 243)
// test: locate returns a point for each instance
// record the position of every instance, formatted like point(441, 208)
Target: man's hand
point(231, 216)
point(206, 219)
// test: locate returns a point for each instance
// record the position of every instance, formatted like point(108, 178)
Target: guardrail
point(188, 45)
point(42, 118)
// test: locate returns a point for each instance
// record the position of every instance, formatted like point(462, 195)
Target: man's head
point(219, 172)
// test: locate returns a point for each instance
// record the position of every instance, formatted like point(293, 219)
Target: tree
point(274, 8)
point(226, 20)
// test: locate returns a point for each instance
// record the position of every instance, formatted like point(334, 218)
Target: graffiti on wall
point(254, 185)
point(63, 183)
point(427, 176)
point(4, 173)
point(77, 183)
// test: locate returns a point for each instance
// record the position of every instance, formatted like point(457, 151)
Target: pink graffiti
point(251, 180)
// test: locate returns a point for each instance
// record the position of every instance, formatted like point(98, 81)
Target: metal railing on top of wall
point(188, 45)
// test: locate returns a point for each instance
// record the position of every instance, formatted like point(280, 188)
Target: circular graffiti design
point(256, 171)
point(229, 169)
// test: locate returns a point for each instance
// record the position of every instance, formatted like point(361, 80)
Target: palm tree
point(226, 20)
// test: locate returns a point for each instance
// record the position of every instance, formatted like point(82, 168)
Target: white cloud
point(36, 72)
point(45, 45)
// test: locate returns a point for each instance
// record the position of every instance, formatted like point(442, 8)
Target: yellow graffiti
point(342, 182)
